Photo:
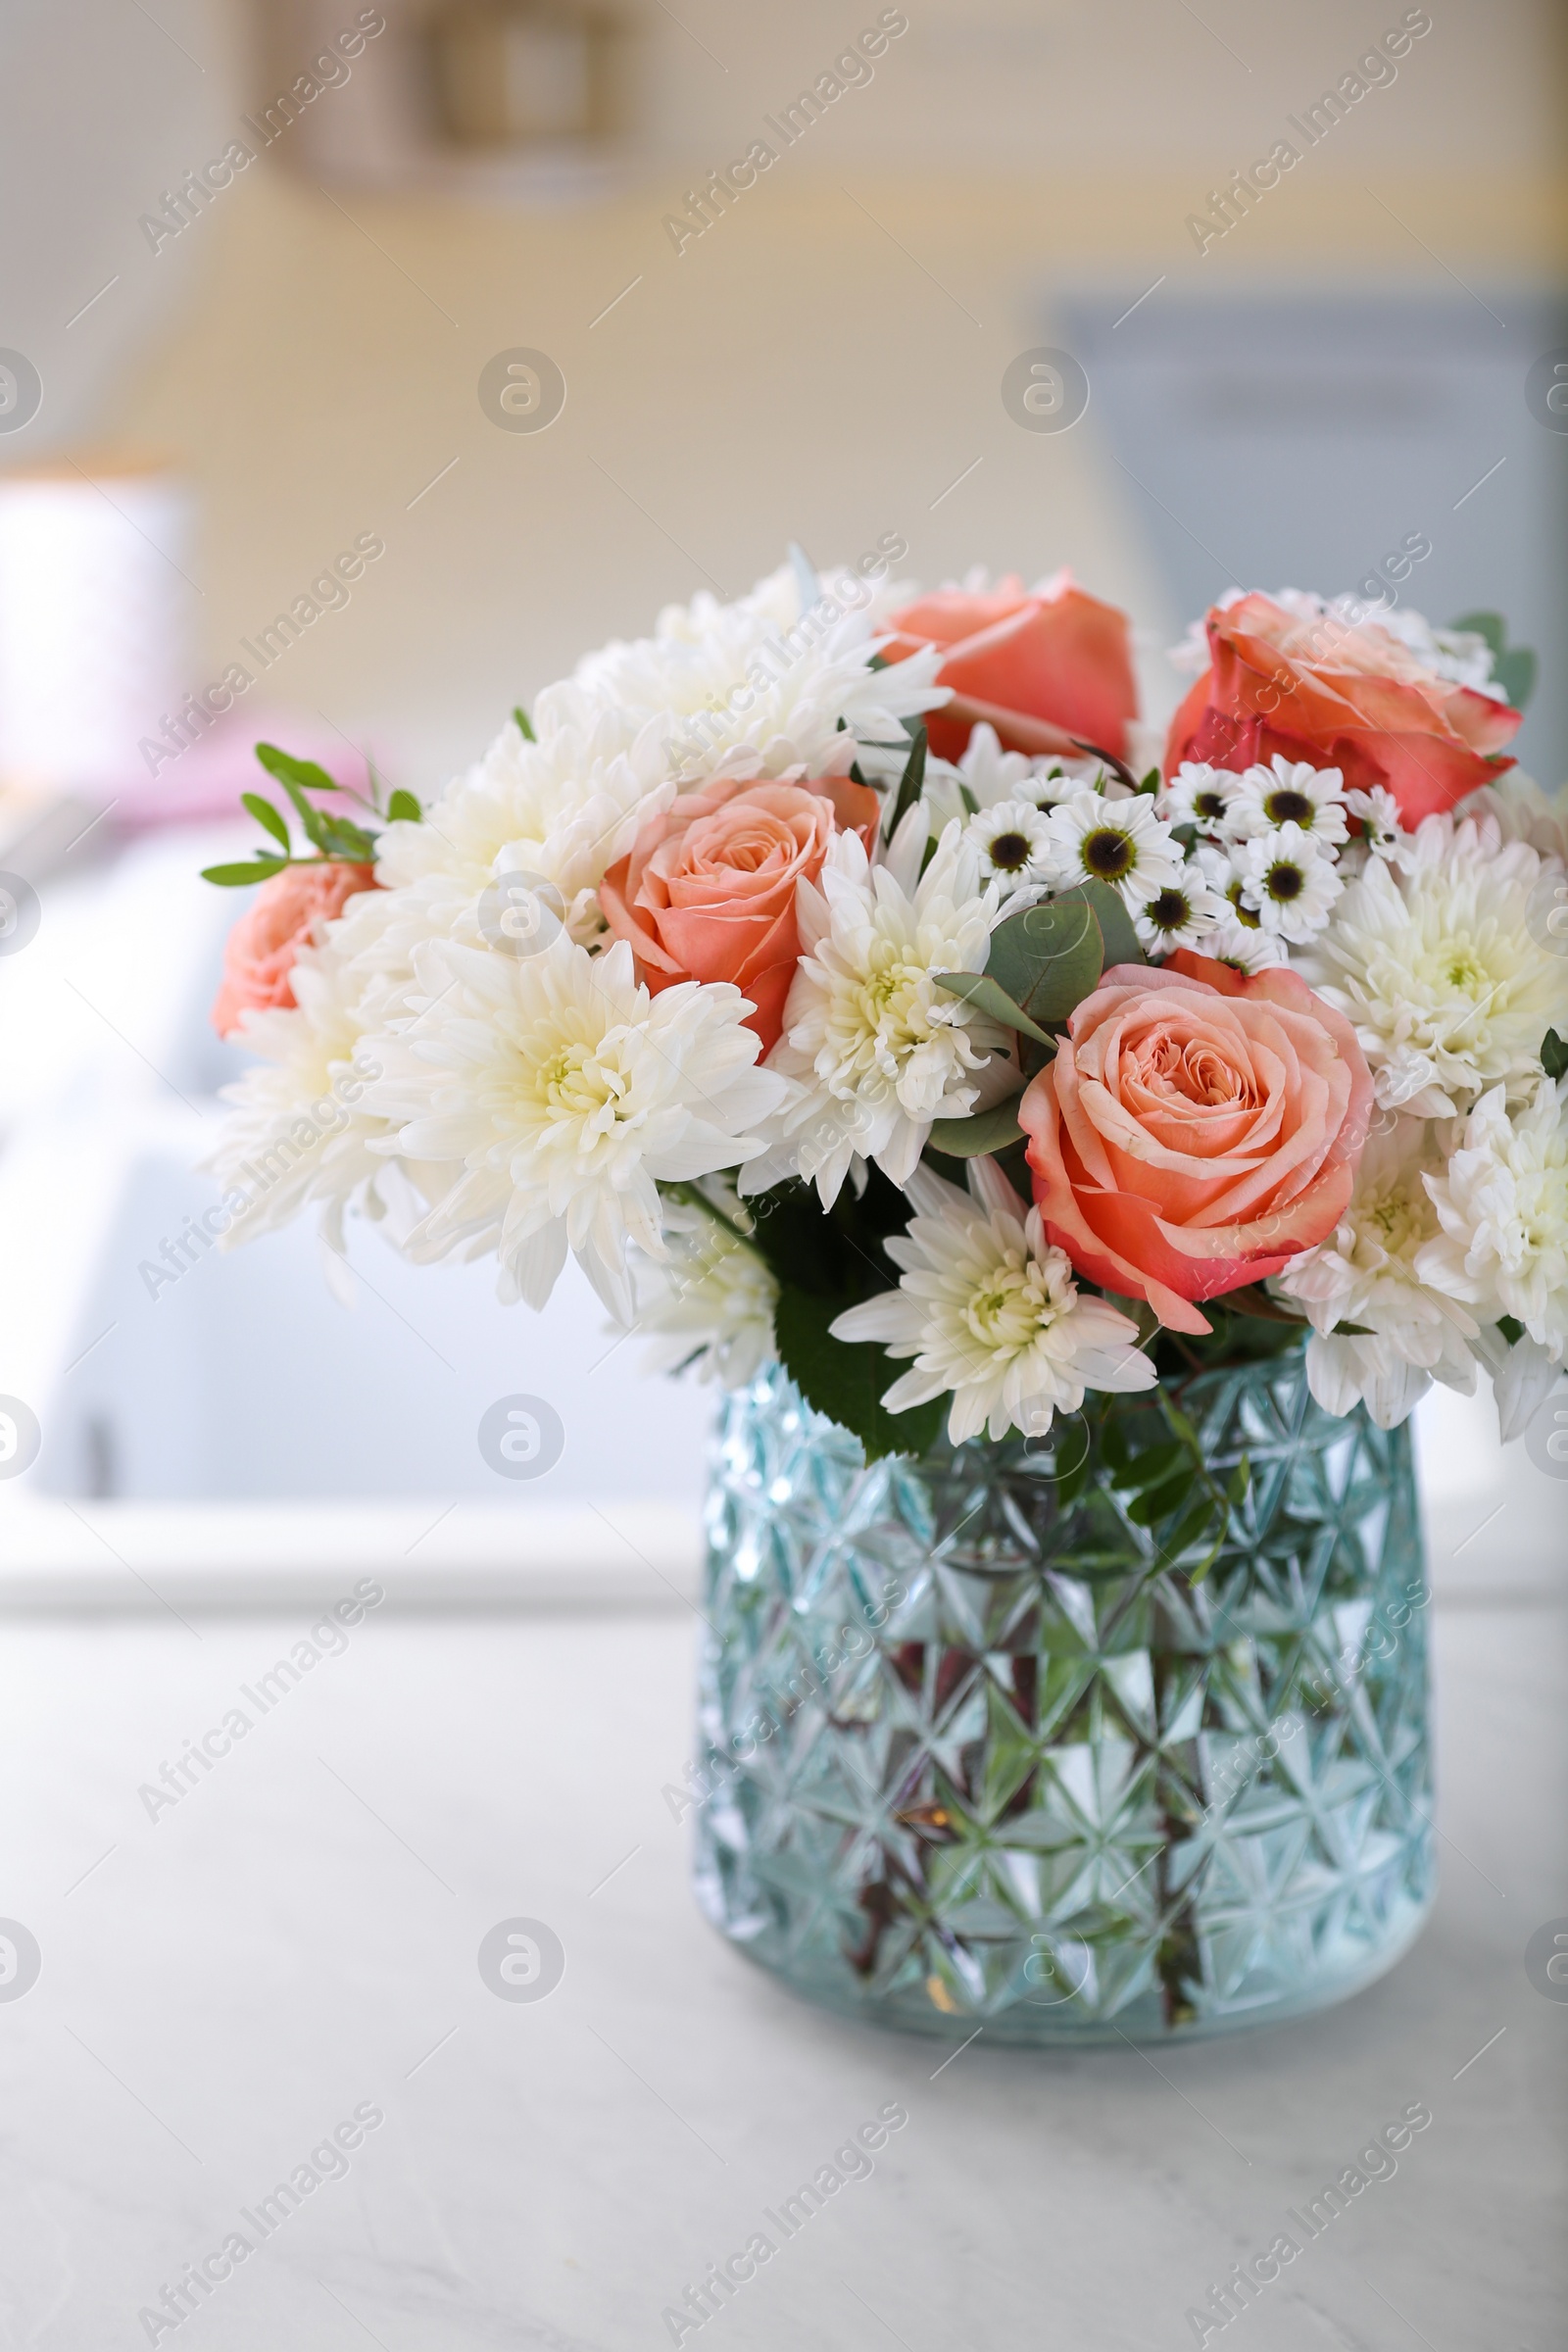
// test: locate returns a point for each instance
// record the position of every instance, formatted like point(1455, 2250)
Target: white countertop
point(298, 1936)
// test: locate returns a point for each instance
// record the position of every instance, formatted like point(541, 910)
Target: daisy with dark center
point(1120, 842)
point(1182, 916)
point(1287, 880)
point(1013, 840)
point(1289, 793)
point(1198, 795)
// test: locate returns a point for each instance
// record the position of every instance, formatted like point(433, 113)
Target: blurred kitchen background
point(208, 391)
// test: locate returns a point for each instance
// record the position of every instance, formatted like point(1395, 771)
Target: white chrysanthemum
point(565, 807)
point(1288, 791)
point(1367, 1274)
point(991, 1312)
point(877, 1049)
point(300, 1128)
point(1198, 795)
point(1287, 880)
point(1013, 842)
point(760, 686)
point(1439, 970)
point(557, 1092)
point(1502, 1204)
point(1524, 813)
point(709, 1302)
point(1185, 915)
point(1118, 840)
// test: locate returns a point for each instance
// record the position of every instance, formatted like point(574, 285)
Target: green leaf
point(234, 877)
point(1553, 1055)
point(845, 1379)
point(987, 996)
point(1513, 1330)
point(337, 838)
point(1515, 673)
point(1048, 959)
point(266, 816)
point(1151, 1467)
point(1160, 1501)
point(1513, 666)
point(290, 771)
point(404, 807)
point(912, 783)
point(1116, 927)
point(1490, 625)
point(522, 721)
point(987, 1131)
point(1352, 1331)
point(1253, 1300)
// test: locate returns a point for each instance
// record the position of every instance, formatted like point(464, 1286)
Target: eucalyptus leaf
point(1116, 926)
point(1048, 959)
point(1515, 673)
point(987, 996)
point(1490, 625)
point(987, 1131)
point(1553, 1055)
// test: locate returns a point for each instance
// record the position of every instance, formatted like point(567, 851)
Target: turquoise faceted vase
point(1015, 1737)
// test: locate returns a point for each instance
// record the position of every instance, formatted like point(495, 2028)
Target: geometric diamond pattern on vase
point(980, 1751)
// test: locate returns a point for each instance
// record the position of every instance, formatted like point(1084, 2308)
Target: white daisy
point(1287, 880)
point(1182, 916)
point(709, 1302)
point(1367, 1273)
point(1439, 972)
point(991, 1312)
point(1382, 824)
point(1502, 1204)
point(1198, 795)
point(1238, 936)
point(552, 1093)
point(1014, 844)
point(876, 1049)
point(1123, 842)
point(1289, 793)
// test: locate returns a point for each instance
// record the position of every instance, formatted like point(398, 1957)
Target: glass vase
point(1003, 1738)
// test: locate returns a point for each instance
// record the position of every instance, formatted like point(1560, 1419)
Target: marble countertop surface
point(228, 1981)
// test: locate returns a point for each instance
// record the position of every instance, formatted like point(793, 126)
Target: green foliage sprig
point(336, 840)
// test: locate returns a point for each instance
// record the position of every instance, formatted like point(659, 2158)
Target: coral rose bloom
point(1044, 669)
point(1196, 1130)
point(286, 915)
point(1356, 698)
point(708, 891)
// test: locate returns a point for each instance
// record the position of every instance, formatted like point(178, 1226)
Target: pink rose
point(287, 913)
point(1196, 1130)
point(707, 893)
point(1354, 699)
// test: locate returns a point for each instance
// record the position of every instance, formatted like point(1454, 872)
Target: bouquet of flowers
point(842, 976)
